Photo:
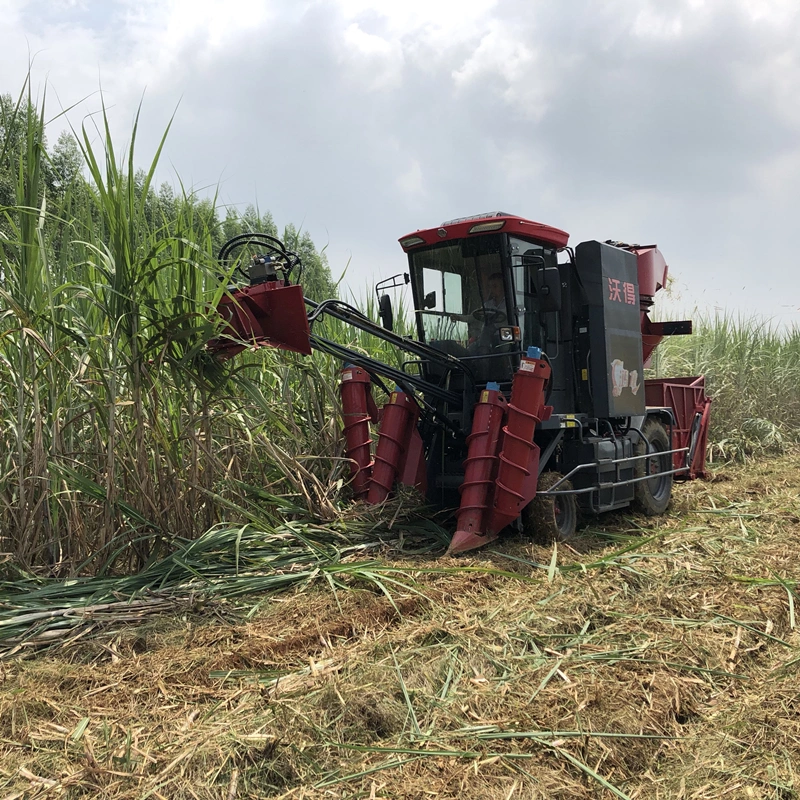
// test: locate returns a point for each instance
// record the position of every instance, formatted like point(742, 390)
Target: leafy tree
point(16, 118)
point(317, 280)
point(66, 162)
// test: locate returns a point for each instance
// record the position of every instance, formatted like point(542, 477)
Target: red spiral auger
point(397, 426)
point(358, 409)
point(480, 467)
point(519, 458)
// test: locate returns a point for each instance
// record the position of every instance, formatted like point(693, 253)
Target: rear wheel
point(551, 517)
point(652, 496)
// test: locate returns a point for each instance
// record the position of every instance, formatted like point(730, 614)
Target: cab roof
point(493, 222)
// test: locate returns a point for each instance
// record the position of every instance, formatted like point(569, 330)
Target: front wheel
point(651, 497)
point(552, 517)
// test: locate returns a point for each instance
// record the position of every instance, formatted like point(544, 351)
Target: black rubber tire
point(551, 518)
point(652, 497)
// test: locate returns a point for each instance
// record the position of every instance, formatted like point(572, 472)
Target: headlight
point(509, 334)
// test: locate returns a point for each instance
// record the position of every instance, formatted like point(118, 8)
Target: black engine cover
point(610, 278)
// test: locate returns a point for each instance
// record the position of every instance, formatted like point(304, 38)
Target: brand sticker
point(347, 376)
point(527, 366)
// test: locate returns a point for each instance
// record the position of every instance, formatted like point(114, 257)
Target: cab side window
point(526, 259)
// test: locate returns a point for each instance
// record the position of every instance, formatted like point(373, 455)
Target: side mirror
point(429, 301)
point(548, 288)
point(385, 312)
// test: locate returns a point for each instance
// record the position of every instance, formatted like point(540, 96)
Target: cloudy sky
point(668, 121)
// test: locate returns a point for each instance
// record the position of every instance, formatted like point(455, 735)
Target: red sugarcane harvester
point(522, 401)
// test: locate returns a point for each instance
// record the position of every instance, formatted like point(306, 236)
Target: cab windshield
point(461, 292)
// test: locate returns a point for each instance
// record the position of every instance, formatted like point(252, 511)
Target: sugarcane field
point(410, 497)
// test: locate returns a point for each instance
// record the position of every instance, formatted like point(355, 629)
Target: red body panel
point(514, 225)
point(267, 313)
point(687, 399)
point(519, 458)
point(649, 344)
point(652, 271)
point(480, 469)
point(357, 411)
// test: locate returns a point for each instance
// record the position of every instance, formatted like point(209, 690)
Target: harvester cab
point(522, 400)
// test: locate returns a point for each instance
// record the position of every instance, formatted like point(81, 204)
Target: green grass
point(752, 371)
point(120, 435)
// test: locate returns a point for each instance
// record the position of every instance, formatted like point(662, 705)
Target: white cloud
point(375, 62)
point(658, 23)
point(162, 31)
point(498, 52)
point(432, 18)
point(410, 180)
point(676, 121)
point(526, 76)
point(779, 13)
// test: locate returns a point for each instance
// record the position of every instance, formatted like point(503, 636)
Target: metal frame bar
point(548, 451)
point(352, 316)
point(615, 462)
point(372, 365)
point(392, 283)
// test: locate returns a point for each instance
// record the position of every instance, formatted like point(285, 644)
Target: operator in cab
point(495, 301)
point(487, 317)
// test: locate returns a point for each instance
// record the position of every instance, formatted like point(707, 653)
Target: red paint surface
point(355, 392)
point(397, 423)
point(266, 314)
point(480, 468)
point(519, 458)
point(687, 399)
point(652, 271)
point(414, 471)
point(518, 226)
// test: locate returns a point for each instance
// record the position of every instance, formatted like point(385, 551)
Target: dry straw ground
point(660, 661)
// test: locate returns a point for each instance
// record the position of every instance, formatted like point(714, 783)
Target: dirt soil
point(655, 659)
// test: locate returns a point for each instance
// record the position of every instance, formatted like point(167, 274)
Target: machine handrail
point(624, 460)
